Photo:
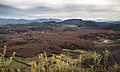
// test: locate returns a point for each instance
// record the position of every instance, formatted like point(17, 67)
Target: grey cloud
point(87, 8)
point(6, 10)
point(41, 10)
point(67, 11)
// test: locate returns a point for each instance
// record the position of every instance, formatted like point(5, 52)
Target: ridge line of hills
point(4, 21)
point(21, 25)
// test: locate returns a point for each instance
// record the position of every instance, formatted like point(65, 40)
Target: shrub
point(100, 63)
point(53, 64)
point(50, 65)
point(5, 63)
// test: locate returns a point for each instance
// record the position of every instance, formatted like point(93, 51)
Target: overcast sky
point(62, 9)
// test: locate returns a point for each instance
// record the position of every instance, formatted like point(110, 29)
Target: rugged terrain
point(60, 39)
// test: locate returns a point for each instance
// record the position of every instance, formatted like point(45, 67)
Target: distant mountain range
point(23, 21)
point(79, 22)
point(114, 22)
point(56, 26)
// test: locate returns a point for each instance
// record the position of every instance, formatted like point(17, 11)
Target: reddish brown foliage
point(30, 44)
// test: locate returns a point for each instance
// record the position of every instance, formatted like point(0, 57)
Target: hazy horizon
point(107, 10)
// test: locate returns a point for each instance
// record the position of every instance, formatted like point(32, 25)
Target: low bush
point(5, 62)
point(52, 64)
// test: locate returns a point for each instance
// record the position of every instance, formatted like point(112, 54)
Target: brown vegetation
point(30, 44)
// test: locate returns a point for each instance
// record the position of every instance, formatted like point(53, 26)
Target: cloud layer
point(85, 9)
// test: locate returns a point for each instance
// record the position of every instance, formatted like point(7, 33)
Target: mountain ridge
point(4, 21)
point(78, 22)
